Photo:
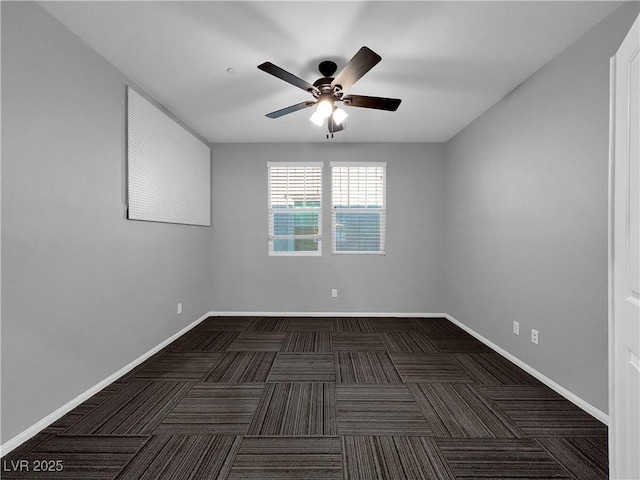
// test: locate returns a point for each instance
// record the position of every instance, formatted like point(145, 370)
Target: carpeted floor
point(320, 399)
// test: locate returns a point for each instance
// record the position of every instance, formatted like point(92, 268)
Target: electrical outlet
point(534, 336)
point(179, 308)
point(516, 328)
point(334, 293)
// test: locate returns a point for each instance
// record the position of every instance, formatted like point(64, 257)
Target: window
point(358, 213)
point(295, 208)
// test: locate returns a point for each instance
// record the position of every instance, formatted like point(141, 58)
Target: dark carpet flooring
point(320, 399)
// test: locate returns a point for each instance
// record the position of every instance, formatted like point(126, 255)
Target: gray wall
point(527, 216)
point(406, 279)
point(84, 291)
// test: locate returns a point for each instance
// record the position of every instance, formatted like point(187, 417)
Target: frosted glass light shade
point(339, 115)
point(325, 108)
point(317, 118)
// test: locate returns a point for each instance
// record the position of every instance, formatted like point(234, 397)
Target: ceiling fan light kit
point(329, 90)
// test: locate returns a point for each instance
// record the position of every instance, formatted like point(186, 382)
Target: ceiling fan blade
point(286, 76)
point(291, 109)
point(378, 103)
point(361, 63)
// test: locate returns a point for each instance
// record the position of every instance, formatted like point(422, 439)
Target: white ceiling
point(447, 61)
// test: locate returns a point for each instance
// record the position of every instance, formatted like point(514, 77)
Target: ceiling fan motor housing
point(324, 85)
point(327, 68)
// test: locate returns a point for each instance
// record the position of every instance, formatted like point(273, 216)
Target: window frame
point(271, 236)
point(383, 210)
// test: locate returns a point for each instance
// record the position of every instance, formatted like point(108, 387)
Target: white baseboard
point(573, 398)
point(49, 419)
point(66, 408)
point(328, 314)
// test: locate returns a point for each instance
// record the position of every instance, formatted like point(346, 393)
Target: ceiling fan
point(328, 90)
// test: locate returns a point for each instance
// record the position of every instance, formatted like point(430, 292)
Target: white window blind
point(358, 213)
point(295, 208)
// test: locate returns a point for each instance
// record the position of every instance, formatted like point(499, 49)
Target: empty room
point(320, 240)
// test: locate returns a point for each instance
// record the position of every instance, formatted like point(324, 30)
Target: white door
point(624, 343)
